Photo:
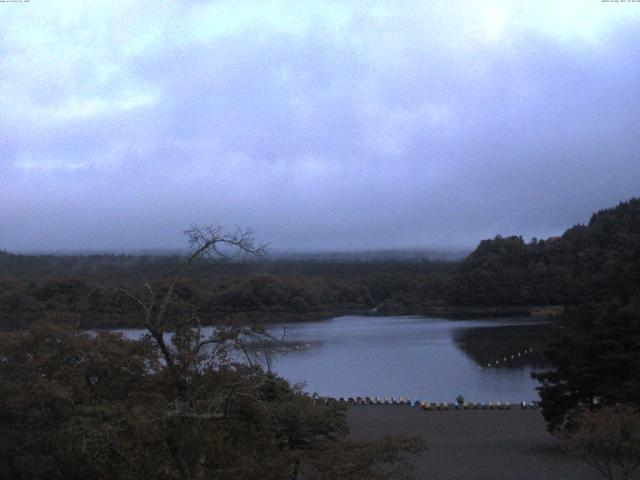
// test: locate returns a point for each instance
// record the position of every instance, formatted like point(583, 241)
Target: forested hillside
point(592, 262)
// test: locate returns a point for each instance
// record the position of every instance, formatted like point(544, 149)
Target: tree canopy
point(587, 263)
point(175, 404)
point(594, 358)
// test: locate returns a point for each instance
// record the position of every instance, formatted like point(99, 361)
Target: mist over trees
point(593, 262)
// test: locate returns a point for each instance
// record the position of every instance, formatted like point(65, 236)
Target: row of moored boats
point(424, 405)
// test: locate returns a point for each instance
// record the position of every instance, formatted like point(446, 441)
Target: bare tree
point(204, 242)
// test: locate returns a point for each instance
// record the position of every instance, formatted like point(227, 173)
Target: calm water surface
point(432, 358)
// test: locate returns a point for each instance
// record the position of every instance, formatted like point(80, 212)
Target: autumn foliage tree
point(175, 404)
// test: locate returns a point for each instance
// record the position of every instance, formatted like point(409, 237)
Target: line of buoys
point(508, 357)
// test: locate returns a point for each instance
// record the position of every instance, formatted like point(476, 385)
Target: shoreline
point(21, 320)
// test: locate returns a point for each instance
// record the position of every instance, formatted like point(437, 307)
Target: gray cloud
point(322, 126)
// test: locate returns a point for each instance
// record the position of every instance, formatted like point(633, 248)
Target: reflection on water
point(432, 358)
point(506, 346)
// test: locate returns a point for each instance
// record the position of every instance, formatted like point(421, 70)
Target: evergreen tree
point(595, 358)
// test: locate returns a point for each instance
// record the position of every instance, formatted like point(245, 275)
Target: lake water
point(434, 359)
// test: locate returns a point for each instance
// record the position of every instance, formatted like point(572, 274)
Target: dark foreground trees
point(595, 358)
point(591, 399)
point(176, 404)
point(78, 406)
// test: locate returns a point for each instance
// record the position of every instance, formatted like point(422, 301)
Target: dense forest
point(596, 261)
point(590, 262)
point(87, 288)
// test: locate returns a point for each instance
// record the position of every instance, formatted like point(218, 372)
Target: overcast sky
point(321, 125)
